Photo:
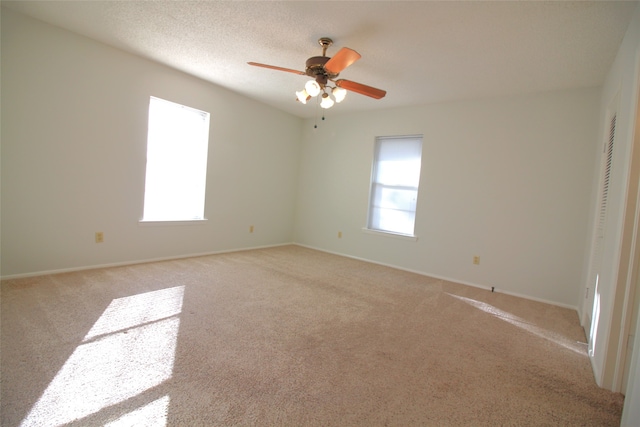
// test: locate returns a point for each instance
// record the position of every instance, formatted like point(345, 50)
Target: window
point(394, 184)
point(177, 145)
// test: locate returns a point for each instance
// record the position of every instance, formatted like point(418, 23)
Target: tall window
point(394, 184)
point(177, 145)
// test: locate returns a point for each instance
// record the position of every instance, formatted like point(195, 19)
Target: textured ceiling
point(420, 51)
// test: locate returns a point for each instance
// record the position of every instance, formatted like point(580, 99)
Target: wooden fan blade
point(273, 67)
point(341, 60)
point(361, 89)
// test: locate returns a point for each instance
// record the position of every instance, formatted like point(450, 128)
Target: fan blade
point(288, 70)
point(341, 60)
point(361, 89)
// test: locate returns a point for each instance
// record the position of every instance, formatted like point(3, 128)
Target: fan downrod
point(325, 42)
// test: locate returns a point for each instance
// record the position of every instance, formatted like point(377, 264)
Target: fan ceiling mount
point(324, 69)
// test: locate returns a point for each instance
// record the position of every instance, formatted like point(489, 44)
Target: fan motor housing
point(315, 69)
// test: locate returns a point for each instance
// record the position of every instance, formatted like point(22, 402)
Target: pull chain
point(315, 125)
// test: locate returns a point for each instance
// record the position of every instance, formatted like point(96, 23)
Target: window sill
point(146, 223)
point(390, 234)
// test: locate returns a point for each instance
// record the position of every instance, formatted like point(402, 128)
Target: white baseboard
point(449, 279)
point(142, 261)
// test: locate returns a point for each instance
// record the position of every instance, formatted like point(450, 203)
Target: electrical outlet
point(476, 260)
point(99, 237)
point(339, 234)
point(251, 229)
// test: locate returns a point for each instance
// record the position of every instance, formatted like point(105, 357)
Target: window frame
point(151, 220)
point(373, 185)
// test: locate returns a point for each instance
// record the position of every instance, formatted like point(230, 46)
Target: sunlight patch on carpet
point(136, 310)
point(575, 346)
point(130, 349)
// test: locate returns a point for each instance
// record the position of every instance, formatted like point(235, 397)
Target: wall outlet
point(99, 237)
point(476, 260)
point(339, 234)
point(251, 229)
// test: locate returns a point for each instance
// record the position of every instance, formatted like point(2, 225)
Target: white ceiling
point(420, 52)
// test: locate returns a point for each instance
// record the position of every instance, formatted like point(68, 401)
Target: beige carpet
point(288, 336)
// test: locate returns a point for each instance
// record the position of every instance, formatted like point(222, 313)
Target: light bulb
point(339, 93)
point(327, 102)
point(302, 96)
point(312, 87)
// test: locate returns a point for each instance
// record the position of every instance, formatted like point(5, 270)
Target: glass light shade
point(302, 96)
point(327, 102)
point(339, 93)
point(312, 87)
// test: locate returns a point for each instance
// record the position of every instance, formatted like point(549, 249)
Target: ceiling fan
point(324, 69)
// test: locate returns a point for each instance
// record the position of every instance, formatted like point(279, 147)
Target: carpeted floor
point(288, 336)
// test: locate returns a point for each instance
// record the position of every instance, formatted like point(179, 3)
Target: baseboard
point(142, 261)
point(169, 258)
point(448, 279)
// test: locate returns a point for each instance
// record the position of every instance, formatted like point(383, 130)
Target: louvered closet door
point(595, 264)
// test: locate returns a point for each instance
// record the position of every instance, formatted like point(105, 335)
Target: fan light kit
point(323, 70)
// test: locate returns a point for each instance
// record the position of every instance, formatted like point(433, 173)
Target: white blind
point(177, 146)
point(394, 184)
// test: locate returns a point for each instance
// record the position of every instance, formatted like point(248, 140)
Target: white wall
point(619, 93)
point(74, 117)
point(506, 179)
